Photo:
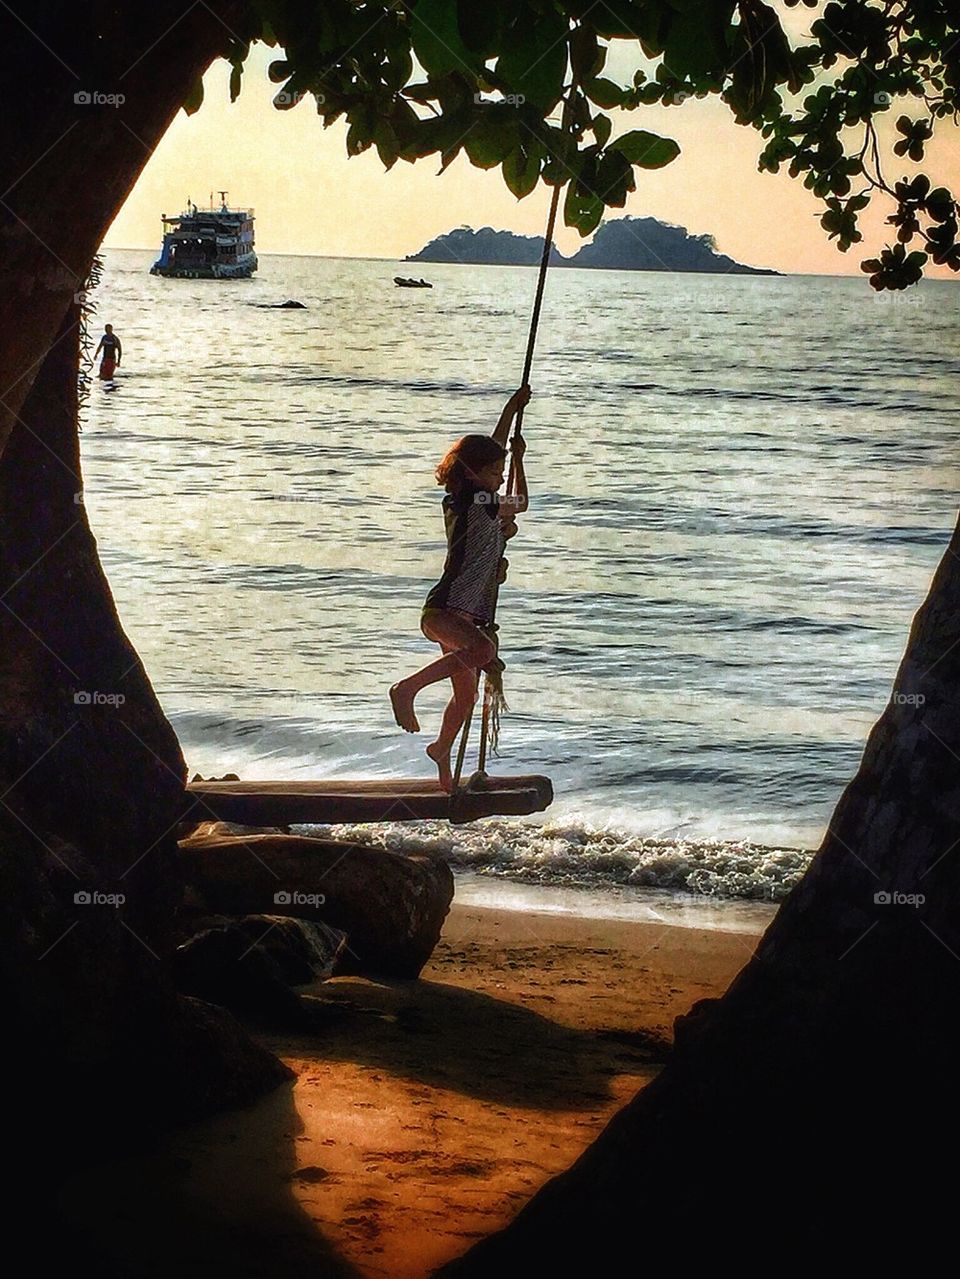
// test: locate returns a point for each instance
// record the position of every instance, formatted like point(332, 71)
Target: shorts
point(457, 612)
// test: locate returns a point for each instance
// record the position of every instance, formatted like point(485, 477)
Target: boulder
point(391, 906)
point(100, 1027)
point(190, 829)
point(249, 965)
point(304, 951)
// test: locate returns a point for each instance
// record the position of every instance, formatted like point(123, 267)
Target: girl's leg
point(457, 709)
point(467, 649)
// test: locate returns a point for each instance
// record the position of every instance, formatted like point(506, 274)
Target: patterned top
point(475, 543)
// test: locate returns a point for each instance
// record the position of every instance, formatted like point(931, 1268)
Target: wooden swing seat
point(368, 800)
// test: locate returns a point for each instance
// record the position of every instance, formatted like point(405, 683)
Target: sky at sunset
point(309, 197)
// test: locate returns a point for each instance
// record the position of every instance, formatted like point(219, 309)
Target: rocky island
point(624, 244)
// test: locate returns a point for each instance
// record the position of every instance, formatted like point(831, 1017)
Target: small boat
point(207, 244)
point(403, 282)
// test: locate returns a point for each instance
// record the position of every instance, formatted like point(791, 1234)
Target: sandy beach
point(424, 1114)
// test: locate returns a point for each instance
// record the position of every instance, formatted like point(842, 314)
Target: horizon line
point(372, 257)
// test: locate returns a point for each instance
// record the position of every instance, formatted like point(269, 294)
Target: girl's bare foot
point(441, 758)
point(402, 704)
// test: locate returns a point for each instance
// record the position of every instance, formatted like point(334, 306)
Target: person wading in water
point(112, 351)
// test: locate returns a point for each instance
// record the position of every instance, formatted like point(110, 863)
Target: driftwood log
point(268, 803)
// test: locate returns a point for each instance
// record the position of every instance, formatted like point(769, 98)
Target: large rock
point(390, 905)
point(249, 965)
point(98, 1030)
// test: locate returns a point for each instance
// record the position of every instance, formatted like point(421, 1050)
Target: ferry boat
point(207, 244)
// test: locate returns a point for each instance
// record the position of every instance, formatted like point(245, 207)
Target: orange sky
point(310, 198)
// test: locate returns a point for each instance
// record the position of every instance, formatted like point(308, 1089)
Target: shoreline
point(424, 1113)
point(615, 902)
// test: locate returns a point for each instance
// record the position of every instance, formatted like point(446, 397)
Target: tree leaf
point(435, 35)
point(604, 93)
point(533, 64)
point(488, 144)
point(587, 56)
point(601, 126)
point(521, 171)
point(194, 99)
point(236, 78)
point(697, 41)
point(615, 179)
point(643, 20)
point(582, 208)
point(387, 144)
point(647, 150)
point(480, 26)
point(423, 91)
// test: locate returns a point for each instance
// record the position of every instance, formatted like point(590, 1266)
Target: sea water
point(740, 489)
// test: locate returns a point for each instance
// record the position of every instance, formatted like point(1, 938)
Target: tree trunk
point(803, 1107)
point(91, 774)
point(85, 750)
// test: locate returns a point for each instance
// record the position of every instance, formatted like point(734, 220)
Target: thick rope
point(535, 321)
point(493, 699)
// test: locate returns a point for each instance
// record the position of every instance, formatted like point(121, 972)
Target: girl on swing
point(458, 611)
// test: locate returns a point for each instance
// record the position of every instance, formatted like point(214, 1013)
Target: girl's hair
point(468, 456)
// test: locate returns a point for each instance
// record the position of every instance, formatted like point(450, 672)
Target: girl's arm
point(519, 399)
point(510, 507)
point(522, 498)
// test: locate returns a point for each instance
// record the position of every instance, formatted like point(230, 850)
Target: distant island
point(625, 244)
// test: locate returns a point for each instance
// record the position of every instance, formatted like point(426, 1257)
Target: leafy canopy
point(519, 85)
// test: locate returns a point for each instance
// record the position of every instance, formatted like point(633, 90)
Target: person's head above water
point(476, 461)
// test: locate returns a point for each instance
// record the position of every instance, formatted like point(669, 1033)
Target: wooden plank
point(365, 786)
point(271, 803)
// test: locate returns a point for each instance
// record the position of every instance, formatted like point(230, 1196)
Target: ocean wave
point(573, 853)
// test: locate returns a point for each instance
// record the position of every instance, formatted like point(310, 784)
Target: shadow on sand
point(228, 1211)
point(493, 1050)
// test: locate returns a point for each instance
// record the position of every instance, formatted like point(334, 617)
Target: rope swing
point(493, 699)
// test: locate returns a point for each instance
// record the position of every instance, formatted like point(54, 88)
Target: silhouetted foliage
point(437, 77)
